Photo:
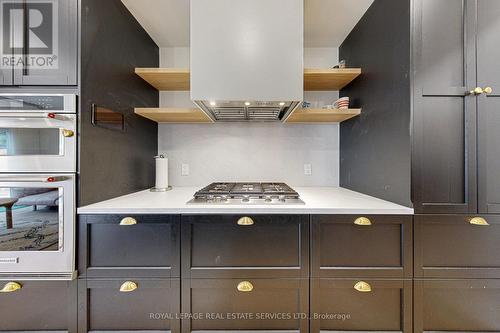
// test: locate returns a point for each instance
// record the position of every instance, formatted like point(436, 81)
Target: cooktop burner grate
point(248, 192)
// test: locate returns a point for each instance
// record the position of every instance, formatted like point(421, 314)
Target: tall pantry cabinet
point(451, 117)
point(456, 152)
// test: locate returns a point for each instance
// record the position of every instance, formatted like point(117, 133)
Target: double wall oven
point(38, 149)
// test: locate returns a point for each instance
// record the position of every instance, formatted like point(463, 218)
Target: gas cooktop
point(247, 193)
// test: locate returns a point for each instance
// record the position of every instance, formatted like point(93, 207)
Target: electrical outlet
point(308, 169)
point(185, 170)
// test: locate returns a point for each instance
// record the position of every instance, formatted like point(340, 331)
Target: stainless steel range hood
point(247, 58)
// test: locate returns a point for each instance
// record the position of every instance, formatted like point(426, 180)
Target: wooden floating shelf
point(174, 115)
point(165, 79)
point(315, 79)
point(196, 116)
point(322, 115)
point(320, 79)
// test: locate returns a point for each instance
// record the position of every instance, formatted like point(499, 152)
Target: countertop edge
point(313, 211)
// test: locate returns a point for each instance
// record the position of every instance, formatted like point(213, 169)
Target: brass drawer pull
point(245, 220)
point(128, 221)
point(128, 286)
point(67, 133)
point(363, 287)
point(245, 286)
point(364, 221)
point(10, 287)
point(478, 221)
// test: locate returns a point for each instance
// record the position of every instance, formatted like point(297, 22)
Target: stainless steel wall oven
point(38, 150)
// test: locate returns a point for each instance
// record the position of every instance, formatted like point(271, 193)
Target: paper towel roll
point(161, 172)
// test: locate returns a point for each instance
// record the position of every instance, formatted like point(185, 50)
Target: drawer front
point(457, 305)
point(342, 305)
point(351, 245)
point(39, 306)
point(220, 246)
point(449, 246)
point(106, 305)
point(113, 246)
point(224, 305)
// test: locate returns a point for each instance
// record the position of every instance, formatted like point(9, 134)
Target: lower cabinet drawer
point(255, 304)
point(234, 246)
point(377, 246)
point(457, 305)
point(119, 305)
point(361, 305)
point(117, 246)
point(38, 306)
point(452, 246)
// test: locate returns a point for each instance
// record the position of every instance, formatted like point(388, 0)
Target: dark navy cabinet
point(47, 54)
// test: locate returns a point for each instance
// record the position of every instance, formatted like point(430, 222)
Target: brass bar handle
point(363, 221)
point(68, 133)
point(478, 221)
point(11, 287)
point(488, 90)
point(245, 286)
point(363, 287)
point(128, 286)
point(245, 220)
point(128, 221)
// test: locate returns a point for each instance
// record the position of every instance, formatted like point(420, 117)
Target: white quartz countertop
point(318, 200)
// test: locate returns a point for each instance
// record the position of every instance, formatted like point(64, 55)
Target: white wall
point(250, 151)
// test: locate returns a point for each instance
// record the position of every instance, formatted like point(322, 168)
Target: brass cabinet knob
point(476, 91)
point(363, 287)
point(362, 221)
point(67, 133)
point(128, 286)
point(245, 220)
point(479, 91)
point(128, 221)
point(245, 286)
point(478, 221)
point(10, 287)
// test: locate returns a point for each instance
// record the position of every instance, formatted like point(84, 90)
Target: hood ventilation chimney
point(247, 58)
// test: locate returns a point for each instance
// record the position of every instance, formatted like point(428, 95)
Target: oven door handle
point(53, 116)
point(34, 179)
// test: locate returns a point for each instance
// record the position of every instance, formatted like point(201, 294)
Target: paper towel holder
point(165, 189)
point(160, 189)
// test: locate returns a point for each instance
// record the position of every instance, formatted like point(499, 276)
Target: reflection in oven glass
point(29, 141)
point(29, 219)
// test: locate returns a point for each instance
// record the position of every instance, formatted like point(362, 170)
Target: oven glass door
point(36, 222)
point(37, 142)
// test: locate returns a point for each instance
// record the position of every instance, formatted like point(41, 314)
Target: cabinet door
point(488, 55)
point(109, 247)
point(444, 130)
point(5, 76)
point(271, 246)
point(48, 306)
point(264, 305)
point(456, 306)
point(150, 305)
point(55, 63)
point(340, 305)
point(341, 247)
point(453, 246)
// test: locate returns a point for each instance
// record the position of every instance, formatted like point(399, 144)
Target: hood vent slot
point(239, 111)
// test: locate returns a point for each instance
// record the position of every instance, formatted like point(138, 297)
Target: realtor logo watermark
point(29, 34)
